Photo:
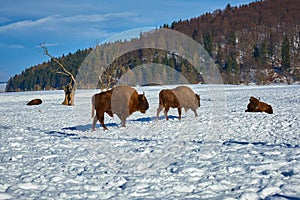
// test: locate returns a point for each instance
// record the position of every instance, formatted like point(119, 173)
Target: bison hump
point(186, 97)
point(120, 99)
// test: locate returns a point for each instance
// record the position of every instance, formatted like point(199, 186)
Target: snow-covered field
point(49, 152)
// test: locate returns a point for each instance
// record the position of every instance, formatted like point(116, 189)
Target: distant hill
point(255, 43)
point(44, 76)
point(249, 41)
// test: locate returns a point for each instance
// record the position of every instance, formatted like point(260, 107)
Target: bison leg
point(196, 114)
point(123, 119)
point(102, 123)
point(179, 113)
point(100, 117)
point(110, 113)
point(186, 109)
point(166, 112)
point(123, 123)
point(94, 123)
point(159, 109)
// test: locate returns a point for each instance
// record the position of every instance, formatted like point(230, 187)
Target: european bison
point(256, 105)
point(179, 97)
point(34, 102)
point(121, 100)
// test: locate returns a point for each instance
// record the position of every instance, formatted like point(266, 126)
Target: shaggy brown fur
point(256, 105)
point(179, 97)
point(121, 100)
point(168, 99)
point(102, 104)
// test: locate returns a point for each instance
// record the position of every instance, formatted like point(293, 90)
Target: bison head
point(253, 100)
point(143, 103)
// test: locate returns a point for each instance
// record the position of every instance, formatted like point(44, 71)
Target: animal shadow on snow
point(233, 142)
point(62, 134)
point(87, 127)
point(71, 135)
point(148, 119)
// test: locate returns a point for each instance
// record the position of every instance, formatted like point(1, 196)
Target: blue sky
point(66, 26)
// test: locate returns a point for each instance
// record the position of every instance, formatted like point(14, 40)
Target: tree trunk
point(69, 89)
point(69, 95)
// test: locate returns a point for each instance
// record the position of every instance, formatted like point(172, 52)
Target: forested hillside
point(256, 43)
point(45, 76)
point(250, 41)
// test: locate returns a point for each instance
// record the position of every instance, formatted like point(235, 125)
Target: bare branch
point(58, 72)
point(69, 88)
point(43, 46)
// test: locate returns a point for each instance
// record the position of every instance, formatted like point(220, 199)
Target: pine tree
point(271, 46)
point(285, 54)
point(256, 52)
point(264, 52)
point(220, 56)
point(231, 39)
point(207, 42)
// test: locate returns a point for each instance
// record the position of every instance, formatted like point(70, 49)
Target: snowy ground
point(48, 151)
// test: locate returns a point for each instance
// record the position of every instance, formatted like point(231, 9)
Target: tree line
point(44, 76)
point(250, 38)
point(248, 43)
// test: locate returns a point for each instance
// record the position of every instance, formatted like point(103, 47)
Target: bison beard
point(257, 106)
point(121, 100)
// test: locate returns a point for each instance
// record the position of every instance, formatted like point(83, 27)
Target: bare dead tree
point(109, 76)
point(106, 79)
point(71, 87)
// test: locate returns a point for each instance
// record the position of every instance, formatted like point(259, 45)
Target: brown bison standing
point(121, 100)
point(257, 106)
point(179, 97)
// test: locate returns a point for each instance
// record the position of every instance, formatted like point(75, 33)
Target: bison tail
point(161, 102)
point(93, 106)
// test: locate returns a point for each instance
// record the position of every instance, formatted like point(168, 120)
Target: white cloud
point(94, 17)
point(95, 33)
point(27, 24)
point(47, 45)
point(16, 46)
point(4, 20)
point(50, 22)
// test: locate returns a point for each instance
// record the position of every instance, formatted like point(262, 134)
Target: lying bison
point(256, 105)
point(121, 100)
point(34, 102)
point(179, 97)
